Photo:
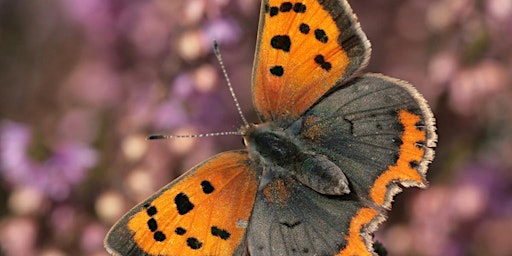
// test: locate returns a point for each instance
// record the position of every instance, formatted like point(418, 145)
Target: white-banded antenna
point(162, 136)
point(216, 50)
point(239, 133)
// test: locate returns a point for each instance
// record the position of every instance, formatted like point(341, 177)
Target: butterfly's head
point(246, 131)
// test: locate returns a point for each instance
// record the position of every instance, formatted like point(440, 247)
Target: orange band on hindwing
point(355, 242)
point(409, 159)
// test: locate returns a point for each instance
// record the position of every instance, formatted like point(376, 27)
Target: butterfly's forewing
point(304, 47)
point(204, 212)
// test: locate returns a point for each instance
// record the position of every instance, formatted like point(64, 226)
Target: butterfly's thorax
point(271, 145)
point(282, 154)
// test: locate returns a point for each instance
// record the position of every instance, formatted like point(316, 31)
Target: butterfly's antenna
point(161, 136)
point(216, 50)
point(239, 133)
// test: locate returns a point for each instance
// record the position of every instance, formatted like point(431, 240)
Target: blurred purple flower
point(493, 183)
point(198, 42)
point(224, 30)
point(183, 86)
point(210, 112)
point(169, 115)
point(66, 168)
point(55, 175)
point(445, 218)
point(14, 141)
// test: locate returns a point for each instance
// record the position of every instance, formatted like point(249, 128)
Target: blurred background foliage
point(83, 82)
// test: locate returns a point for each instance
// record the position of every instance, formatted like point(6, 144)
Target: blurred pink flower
point(499, 9)
point(92, 237)
point(18, 236)
point(471, 87)
point(78, 125)
point(93, 82)
point(95, 16)
point(148, 27)
point(64, 220)
point(443, 14)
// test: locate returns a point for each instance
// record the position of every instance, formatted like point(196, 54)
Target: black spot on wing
point(180, 231)
point(304, 28)
point(273, 11)
point(396, 157)
point(222, 233)
point(397, 142)
point(183, 204)
point(281, 42)
point(277, 70)
point(321, 36)
point(152, 225)
point(299, 8)
point(193, 243)
point(159, 236)
point(151, 210)
point(285, 7)
point(207, 187)
point(319, 59)
point(291, 224)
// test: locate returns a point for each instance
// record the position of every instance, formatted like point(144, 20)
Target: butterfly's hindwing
point(375, 126)
point(292, 219)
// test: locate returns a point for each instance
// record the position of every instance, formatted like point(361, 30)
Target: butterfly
point(319, 171)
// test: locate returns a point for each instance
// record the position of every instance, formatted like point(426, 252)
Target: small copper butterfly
point(319, 171)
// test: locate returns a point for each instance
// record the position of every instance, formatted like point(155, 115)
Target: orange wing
point(304, 48)
point(204, 212)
